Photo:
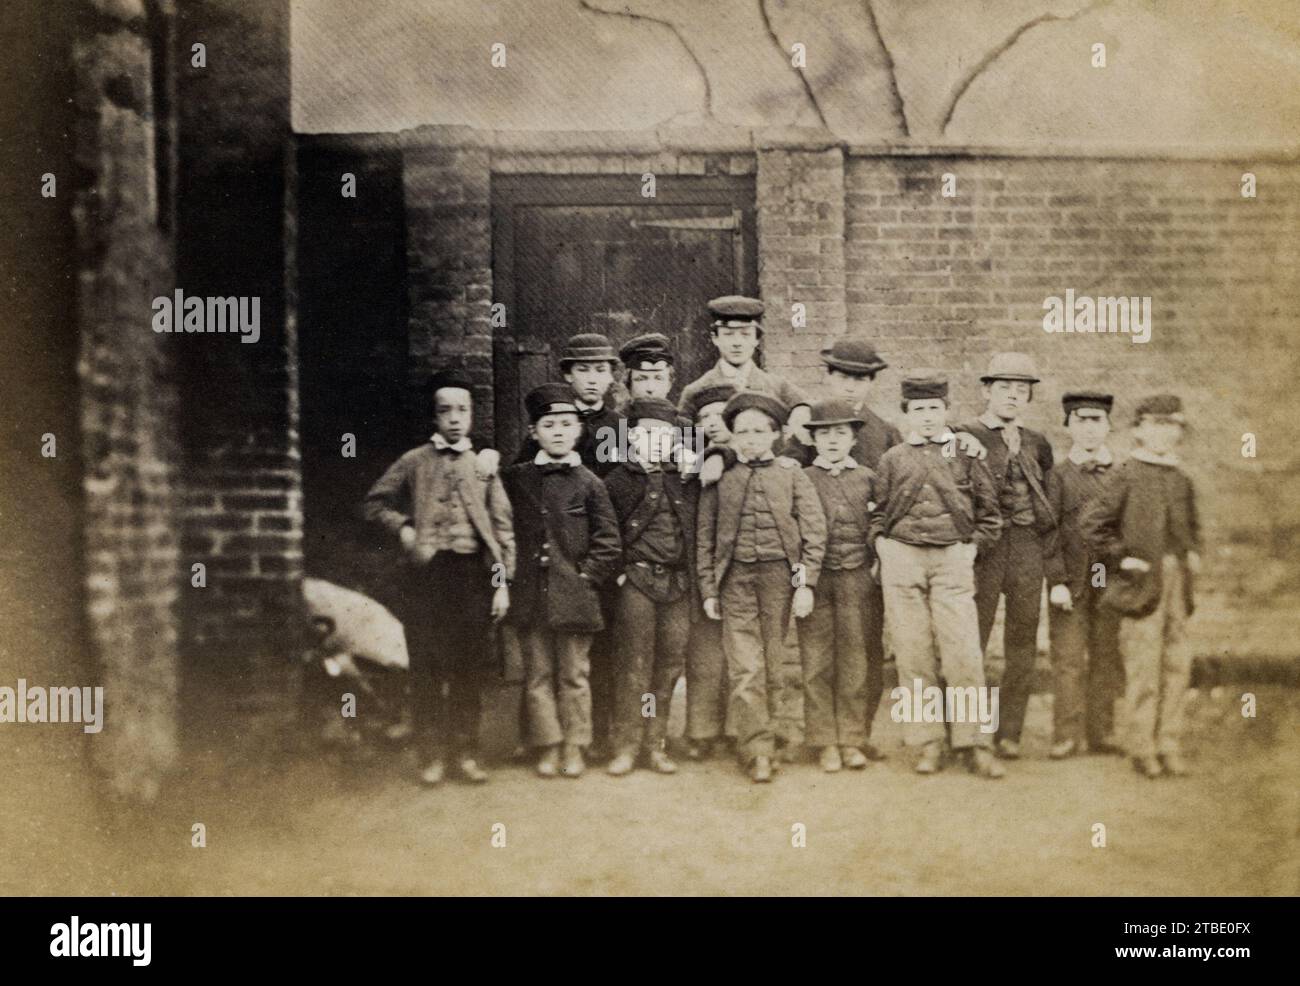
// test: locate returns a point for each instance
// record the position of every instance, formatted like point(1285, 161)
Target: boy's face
point(590, 381)
point(1158, 435)
point(1007, 398)
point(927, 417)
point(753, 433)
point(833, 441)
point(453, 412)
point(650, 383)
point(557, 434)
point(709, 420)
point(652, 439)
point(853, 389)
point(736, 344)
point(1088, 428)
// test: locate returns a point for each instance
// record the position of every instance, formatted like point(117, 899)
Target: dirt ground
point(323, 826)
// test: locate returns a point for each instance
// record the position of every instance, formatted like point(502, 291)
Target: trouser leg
point(1069, 635)
point(574, 698)
point(635, 654)
point(539, 687)
point(874, 634)
point(1175, 660)
point(817, 658)
point(851, 588)
point(706, 681)
point(956, 631)
point(906, 591)
point(1105, 671)
point(1023, 590)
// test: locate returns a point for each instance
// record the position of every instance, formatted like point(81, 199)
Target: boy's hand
point(1131, 564)
point(407, 537)
point(486, 463)
point(971, 445)
point(1060, 597)
point(803, 602)
point(500, 603)
point(621, 579)
point(711, 608)
point(1194, 562)
point(711, 470)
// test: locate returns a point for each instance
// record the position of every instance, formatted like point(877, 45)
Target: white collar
point(767, 456)
point(1144, 455)
point(582, 405)
point(543, 459)
point(942, 438)
point(1102, 456)
point(835, 468)
point(440, 443)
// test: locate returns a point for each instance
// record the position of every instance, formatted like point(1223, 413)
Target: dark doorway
point(574, 254)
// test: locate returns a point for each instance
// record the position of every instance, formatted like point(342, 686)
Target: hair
point(776, 425)
point(907, 400)
point(1072, 411)
point(857, 376)
point(812, 429)
point(627, 379)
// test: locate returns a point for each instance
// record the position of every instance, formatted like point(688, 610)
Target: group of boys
point(724, 535)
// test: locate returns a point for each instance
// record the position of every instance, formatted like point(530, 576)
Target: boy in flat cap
point(736, 330)
point(1087, 672)
point(656, 513)
point(934, 509)
point(568, 545)
point(762, 535)
point(649, 362)
point(1145, 526)
point(1012, 567)
point(832, 640)
point(455, 530)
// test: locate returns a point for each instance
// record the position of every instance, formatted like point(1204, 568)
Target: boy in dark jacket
point(656, 511)
point(935, 507)
point(1146, 527)
point(1087, 672)
point(568, 544)
point(762, 535)
point(455, 529)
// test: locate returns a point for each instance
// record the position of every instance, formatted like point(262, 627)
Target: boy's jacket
point(627, 484)
point(1035, 461)
point(793, 500)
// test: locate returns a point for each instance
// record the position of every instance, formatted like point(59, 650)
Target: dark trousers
point(1012, 567)
point(447, 609)
point(706, 681)
point(1087, 670)
point(832, 644)
point(755, 600)
point(874, 633)
point(650, 656)
point(603, 655)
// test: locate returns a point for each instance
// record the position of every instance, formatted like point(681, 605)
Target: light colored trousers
point(1157, 666)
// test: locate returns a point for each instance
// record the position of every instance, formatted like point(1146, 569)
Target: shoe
point(662, 763)
point(1148, 766)
point(760, 771)
point(1063, 750)
point(830, 760)
point(1008, 749)
point(621, 765)
point(853, 758)
point(1174, 765)
point(873, 752)
point(432, 774)
point(931, 757)
point(573, 764)
point(548, 765)
point(699, 750)
point(470, 770)
point(1106, 747)
point(982, 763)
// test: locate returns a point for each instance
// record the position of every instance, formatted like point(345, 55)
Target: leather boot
point(548, 765)
point(622, 764)
point(830, 759)
point(572, 765)
point(661, 762)
point(853, 758)
point(931, 756)
point(982, 763)
point(760, 771)
point(1174, 765)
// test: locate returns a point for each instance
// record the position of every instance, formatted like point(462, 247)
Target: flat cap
point(1011, 366)
point(655, 408)
point(1074, 400)
point(550, 398)
point(1168, 406)
point(924, 386)
point(749, 400)
point(833, 412)
point(719, 393)
point(588, 347)
point(645, 351)
point(735, 309)
point(853, 355)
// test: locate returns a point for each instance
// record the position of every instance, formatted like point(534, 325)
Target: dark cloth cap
point(550, 398)
point(924, 386)
point(855, 356)
point(1160, 406)
point(736, 310)
point(650, 407)
point(588, 347)
point(833, 412)
point(449, 378)
point(653, 347)
point(748, 400)
point(1074, 400)
point(718, 393)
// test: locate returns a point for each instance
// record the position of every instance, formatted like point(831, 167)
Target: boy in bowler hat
point(1087, 672)
point(1145, 526)
point(832, 639)
point(454, 527)
point(934, 509)
point(656, 513)
point(761, 538)
point(568, 545)
point(1020, 460)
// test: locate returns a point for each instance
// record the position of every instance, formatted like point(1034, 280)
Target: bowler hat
point(749, 400)
point(833, 412)
point(1167, 406)
point(1075, 400)
point(655, 408)
point(854, 356)
point(924, 386)
point(550, 398)
point(587, 347)
point(1011, 366)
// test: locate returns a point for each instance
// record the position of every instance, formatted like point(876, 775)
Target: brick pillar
point(800, 196)
point(447, 187)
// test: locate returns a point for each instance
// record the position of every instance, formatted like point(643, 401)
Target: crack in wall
point(690, 52)
point(807, 87)
point(898, 106)
point(997, 52)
